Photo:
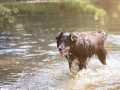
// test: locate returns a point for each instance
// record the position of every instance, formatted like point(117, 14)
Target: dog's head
point(104, 34)
point(64, 41)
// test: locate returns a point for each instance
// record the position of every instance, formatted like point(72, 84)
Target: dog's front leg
point(66, 57)
point(75, 67)
point(69, 61)
point(82, 63)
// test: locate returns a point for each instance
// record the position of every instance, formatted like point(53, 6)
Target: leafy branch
point(6, 16)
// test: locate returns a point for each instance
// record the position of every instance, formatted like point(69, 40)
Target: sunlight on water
point(30, 59)
point(114, 38)
point(96, 76)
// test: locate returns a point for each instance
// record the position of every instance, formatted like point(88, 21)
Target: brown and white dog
point(80, 47)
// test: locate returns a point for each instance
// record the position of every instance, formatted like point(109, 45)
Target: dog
point(79, 47)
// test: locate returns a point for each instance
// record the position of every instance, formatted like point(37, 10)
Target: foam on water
point(96, 76)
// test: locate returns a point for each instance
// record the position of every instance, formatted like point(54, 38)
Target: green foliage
point(77, 6)
point(88, 6)
point(26, 8)
point(70, 7)
point(6, 15)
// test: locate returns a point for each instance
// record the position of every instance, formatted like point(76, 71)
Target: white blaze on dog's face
point(64, 41)
point(61, 42)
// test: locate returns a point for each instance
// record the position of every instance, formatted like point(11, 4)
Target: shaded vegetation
point(56, 8)
point(97, 7)
point(6, 15)
point(112, 8)
point(105, 12)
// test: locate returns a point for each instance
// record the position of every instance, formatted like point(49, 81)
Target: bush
point(6, 15)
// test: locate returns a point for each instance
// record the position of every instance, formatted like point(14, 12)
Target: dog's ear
point(103, 33)
point(73, 37)
point(59, 34)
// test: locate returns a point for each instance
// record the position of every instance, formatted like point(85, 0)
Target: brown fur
point(82, 46)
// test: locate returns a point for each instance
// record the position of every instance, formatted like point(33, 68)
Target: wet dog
point(78, 48)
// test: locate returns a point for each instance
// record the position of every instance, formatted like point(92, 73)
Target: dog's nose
point(61, 46)
point(60, 49)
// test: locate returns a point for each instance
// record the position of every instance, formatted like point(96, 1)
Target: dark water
point(29, 59)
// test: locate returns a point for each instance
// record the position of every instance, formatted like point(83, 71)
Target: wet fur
point(82, 46)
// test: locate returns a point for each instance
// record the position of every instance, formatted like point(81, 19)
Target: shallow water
point(30, 60)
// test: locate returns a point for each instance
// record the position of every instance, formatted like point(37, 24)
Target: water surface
point(30, 60)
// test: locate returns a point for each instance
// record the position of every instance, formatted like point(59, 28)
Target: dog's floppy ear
point(59, 34)
point(103, 33)
point(73, 37)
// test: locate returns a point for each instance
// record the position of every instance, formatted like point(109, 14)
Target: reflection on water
point(30, 60)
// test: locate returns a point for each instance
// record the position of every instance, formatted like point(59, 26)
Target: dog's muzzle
point(62, 49)
point(62, 52)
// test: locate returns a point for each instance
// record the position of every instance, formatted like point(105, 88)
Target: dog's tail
point(103, 33)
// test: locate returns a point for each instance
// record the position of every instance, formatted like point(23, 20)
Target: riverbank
point(55, 8)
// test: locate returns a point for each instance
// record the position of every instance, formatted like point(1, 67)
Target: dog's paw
point(74, 71)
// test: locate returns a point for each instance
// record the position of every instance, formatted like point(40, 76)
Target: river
point(29, 59)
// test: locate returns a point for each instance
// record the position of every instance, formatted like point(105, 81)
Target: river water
point(29, 59)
